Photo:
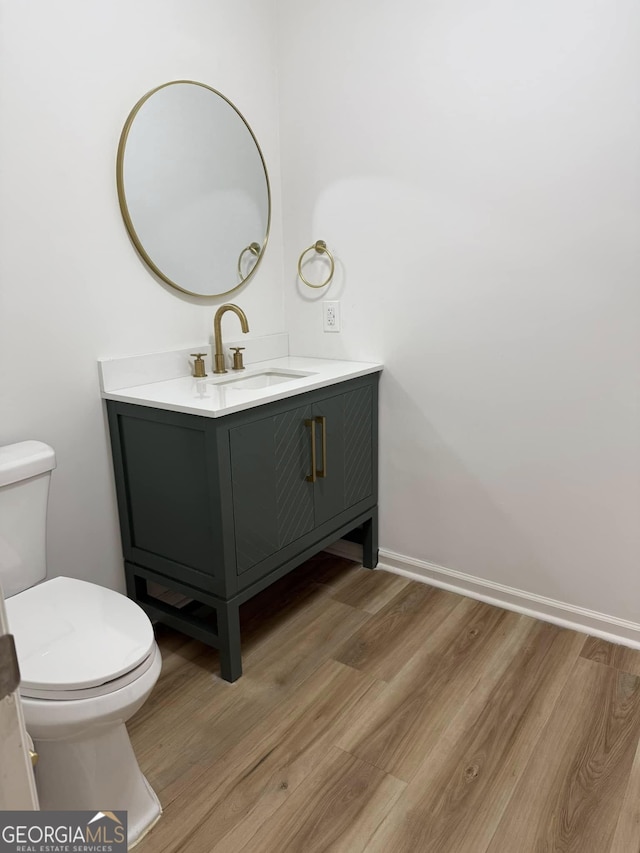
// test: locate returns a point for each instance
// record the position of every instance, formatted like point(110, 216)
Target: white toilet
point(88, 659)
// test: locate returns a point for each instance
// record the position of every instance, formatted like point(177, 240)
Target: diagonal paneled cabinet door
point(345, 456)
point(272, 499)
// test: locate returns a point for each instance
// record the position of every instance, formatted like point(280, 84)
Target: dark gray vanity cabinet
point(213, 510)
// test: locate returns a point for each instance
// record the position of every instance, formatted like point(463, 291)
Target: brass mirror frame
point(123, 201)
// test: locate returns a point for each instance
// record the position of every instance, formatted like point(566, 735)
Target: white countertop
point(223, 394)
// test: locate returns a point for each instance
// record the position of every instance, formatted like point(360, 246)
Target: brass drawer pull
point(311, 478)
point(320, 419)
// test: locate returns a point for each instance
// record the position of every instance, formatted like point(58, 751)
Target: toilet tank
point(25, 472)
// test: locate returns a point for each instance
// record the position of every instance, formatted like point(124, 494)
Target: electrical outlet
point(331, 316)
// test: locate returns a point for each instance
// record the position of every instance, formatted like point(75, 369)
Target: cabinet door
point(272, 500)
point(347, 463)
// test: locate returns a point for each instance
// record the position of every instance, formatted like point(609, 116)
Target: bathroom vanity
point(227, 483)
point(224, 482)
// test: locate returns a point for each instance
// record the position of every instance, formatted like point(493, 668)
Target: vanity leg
point(370, 541)
point(229, 638)
point(136, 585)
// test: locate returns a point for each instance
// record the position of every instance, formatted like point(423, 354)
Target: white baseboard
point(601, 625)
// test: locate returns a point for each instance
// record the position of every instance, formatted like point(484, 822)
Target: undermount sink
point(261, 379)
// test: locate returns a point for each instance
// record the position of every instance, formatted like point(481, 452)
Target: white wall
point(475, 169)
point(72, 288)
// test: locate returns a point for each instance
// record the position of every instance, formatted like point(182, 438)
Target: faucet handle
point(237, 358)
point(198, 365)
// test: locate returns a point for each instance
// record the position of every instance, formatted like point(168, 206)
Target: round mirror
point(193, 188)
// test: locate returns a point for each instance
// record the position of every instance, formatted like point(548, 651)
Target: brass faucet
point(218, 359)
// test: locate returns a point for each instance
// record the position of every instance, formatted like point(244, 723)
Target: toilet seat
point(75, 639)
point(89, 692)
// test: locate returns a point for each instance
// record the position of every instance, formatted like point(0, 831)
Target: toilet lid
point(71, 634)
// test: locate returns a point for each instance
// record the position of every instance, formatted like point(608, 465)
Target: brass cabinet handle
point(309, 422)
point(320, 419)
point(34, 757)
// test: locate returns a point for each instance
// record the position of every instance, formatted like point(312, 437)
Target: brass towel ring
point(321, 248)
point(254, 248)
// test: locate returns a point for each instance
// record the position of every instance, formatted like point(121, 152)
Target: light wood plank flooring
point(380, 714)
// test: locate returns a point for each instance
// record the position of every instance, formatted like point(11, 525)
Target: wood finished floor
point(380, 714)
